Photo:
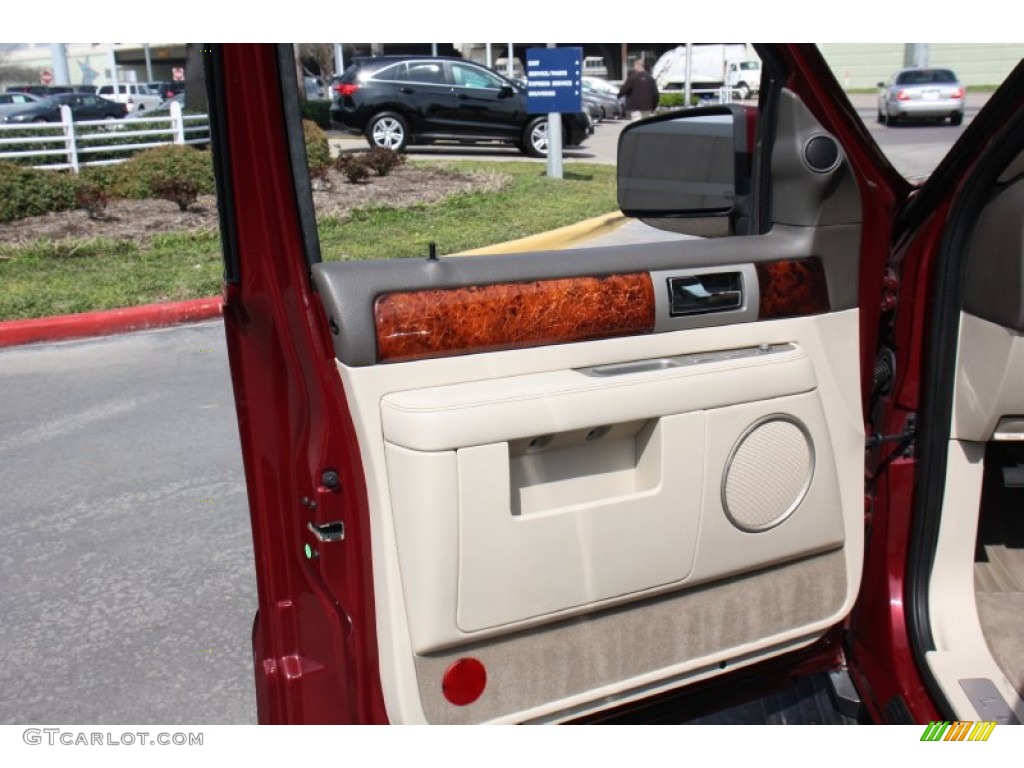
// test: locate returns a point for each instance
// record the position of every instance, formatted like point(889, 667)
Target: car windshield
point(925, 77)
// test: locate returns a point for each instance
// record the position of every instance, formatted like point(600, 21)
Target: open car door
point(536, 487)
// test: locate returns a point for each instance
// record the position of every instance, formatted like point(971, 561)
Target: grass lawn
point(50, 277)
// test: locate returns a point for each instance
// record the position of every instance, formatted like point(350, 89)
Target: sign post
point(554, 85)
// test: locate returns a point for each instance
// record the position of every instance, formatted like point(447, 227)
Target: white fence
point(71, 147)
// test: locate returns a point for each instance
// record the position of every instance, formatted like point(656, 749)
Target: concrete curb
point(555, 239)
point(60, 327)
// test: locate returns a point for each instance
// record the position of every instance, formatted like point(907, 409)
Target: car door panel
point(445, 455)
point(588, 495)
point(593, 498)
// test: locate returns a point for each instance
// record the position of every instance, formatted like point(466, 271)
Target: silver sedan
point(922, 93)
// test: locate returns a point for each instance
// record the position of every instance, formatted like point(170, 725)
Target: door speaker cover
point(768, 473)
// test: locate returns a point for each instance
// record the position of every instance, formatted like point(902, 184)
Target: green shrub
point(137, 178)
point(106, 177)
point(383, 160)
point(318, 111)
point(318, 151)
point(91, 198)
point(676, 100)
point(28, 192)
point(182, 191)
point(353, 167)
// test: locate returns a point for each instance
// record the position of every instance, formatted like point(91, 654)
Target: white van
point(744, 77)
point(137, 96)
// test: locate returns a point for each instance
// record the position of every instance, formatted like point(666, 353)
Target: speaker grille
point(822, 154)
point(768, 473)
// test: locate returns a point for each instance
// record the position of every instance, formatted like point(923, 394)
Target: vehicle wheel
point(881, 117)
point(388, 130)
point(956, 118)
point(742, 91)
point(535, 138)
point(890, 120)
point(40, 120)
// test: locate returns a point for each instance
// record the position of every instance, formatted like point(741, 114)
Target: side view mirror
point(689, 165)
point(506, 91)
point(881, 84)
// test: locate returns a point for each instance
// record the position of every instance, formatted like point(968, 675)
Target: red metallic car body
point(315, 639)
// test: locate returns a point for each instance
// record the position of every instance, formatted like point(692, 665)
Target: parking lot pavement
point(125, 551)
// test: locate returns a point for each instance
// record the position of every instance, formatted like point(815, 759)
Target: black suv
point(396, 101)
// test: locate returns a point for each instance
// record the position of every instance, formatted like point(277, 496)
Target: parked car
point(314, 87)
point(84, 106)
point(611, 106)
point(922, 93)
point(50, 90)
point(158, 111)
point(137, 97)
point(398, 101)
point(644, 483)
point(15, 102)
point(171, 88)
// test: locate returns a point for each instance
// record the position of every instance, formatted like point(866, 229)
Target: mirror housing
point(506, 91)
point(881, 84)
point(691, 164)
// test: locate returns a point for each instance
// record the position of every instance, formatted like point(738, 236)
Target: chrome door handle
point(698, 294)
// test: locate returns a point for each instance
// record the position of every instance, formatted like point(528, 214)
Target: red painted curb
point(58, 327)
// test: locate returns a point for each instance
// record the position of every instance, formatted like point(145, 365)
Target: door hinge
point(908, 435)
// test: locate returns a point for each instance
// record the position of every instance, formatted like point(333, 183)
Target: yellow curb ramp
point(556, 239)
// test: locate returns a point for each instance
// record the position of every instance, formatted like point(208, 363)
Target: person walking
point(640, 92)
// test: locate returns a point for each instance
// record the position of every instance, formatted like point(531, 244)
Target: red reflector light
point(464, 681)
point(346, 89)
point(903, 96)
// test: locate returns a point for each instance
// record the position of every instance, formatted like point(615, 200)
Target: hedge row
point(31, 192)
point(676, 100)
point(318, 111)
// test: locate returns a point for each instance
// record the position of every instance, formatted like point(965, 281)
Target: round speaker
point(821, 153)
point(768, 473)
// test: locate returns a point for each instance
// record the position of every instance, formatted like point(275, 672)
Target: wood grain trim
point(792, 289)
point(455, 321)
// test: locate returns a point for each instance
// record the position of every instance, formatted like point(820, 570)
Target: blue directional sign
point(553, 82)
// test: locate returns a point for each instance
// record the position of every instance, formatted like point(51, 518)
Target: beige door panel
point(708, 490)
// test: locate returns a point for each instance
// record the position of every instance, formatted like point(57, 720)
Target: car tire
point(956, 118)
point(389, 131)
point(743, 92)
point(890, 120)
point(535, 138)
point(881, 117)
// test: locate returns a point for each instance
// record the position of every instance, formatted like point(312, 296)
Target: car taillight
point(957, 94)
point(346, 89)
point(903, 96)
